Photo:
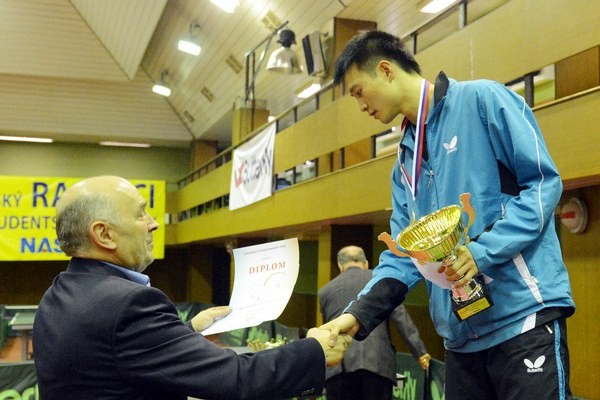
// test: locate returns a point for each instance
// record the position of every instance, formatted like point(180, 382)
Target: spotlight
point(284, 60)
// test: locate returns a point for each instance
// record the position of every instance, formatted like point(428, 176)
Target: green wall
point(84, 160)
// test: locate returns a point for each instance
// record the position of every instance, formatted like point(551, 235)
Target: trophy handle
point(466, 207)
point(391, 244)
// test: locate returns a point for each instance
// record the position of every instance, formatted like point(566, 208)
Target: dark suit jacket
point(98, 335)
point(375, 353)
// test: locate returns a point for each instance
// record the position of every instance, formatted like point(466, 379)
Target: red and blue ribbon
point(419, 139)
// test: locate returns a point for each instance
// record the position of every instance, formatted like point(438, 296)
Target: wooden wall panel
point(577, 73)
point(201, 152)
point(212, 185)
point(571, 130)
point(517, 38)
point(581, 254)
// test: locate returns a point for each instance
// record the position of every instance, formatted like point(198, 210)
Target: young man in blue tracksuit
point(480, 138)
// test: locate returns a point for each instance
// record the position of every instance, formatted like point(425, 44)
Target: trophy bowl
point(434, 236)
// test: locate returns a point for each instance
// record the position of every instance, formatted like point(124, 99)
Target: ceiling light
point(284, 60)
point(434, 6)
point(308, 90)
point(162, 87)
point(226, 5)
point(189, 44)
point(124, 144)
point(26, 139)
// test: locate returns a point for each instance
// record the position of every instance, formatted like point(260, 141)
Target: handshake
point(334, 350)
point(335, 337)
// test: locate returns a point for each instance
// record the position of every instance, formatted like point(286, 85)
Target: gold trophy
point(434, 238)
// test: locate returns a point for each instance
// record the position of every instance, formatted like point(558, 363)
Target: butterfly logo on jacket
point(452, 146)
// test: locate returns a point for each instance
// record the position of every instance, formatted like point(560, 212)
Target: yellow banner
point(28, 223)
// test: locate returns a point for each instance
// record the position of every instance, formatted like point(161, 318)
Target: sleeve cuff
point(374, 307)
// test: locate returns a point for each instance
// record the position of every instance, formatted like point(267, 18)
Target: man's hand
point(345, 323)
point(207, 317)
point(335, 353)
point(424, 360)
point(463, 269)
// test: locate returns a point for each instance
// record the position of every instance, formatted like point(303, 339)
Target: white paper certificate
point(265, 276)
point(429, 272)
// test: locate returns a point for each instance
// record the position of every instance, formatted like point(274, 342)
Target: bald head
point(104, 186)
point(352, 256)
point(100, 218)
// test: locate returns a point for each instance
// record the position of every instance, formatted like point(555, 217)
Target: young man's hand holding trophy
point(435, 238)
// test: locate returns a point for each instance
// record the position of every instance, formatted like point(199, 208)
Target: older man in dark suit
point(101, 332)
point(368, 370)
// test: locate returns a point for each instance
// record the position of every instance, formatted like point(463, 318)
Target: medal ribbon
point(419, 140)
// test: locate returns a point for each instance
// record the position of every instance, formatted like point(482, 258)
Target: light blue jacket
point(477, 127)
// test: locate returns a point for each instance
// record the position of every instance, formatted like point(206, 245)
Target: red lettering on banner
point(266, 267)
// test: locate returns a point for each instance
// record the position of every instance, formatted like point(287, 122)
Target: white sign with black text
point(252, 170)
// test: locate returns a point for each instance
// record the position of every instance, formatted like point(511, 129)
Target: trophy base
point(479, 299)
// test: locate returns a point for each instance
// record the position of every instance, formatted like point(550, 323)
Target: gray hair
point(73, 221)
point(351, 253)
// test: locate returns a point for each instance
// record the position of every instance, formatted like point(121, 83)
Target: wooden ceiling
point(82, 70)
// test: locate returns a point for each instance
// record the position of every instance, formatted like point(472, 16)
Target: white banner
point(252, 170)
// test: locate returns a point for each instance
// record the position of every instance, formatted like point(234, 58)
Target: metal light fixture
point(253, 66)
point(189, 44)
point(162, 87)
point(284, 60)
